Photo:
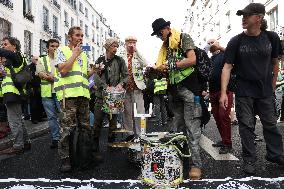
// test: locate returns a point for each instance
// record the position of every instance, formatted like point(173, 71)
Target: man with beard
point(72, 90)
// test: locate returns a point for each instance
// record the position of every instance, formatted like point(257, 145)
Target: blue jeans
point(52, 107)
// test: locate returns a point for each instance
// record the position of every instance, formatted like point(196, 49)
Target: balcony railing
point(46, 28)
point(66, 24)
point(28, 15)
point(56, 4)
point(7, 3)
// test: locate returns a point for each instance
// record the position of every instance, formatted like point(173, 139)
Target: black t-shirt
point(251, 56)
point(215, 77)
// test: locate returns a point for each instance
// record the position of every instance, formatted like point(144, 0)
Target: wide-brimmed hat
point(252, 8)
point(159, 24)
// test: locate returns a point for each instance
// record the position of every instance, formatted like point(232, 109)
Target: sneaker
point(249, 168)
point(65, 165)
point(195, 173)
point(11, 151)
point(54, 144)
point(225, 150)
point(279, 160)
point(218, 144)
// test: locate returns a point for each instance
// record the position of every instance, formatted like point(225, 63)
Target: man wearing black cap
point(176, 59)
point(254, 55)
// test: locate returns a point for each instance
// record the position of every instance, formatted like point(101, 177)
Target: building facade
point(34, 22)
point(217, 19)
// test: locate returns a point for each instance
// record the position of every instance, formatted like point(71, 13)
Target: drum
point(113, 101)
point(162, 163)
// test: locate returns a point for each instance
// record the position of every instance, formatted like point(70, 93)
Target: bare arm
point(225, 77)
point(67, 66)
point(187, 62)
point(275, 70)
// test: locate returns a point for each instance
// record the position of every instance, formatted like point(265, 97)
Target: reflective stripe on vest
point(46, 87)
point(178, 75)
point(75, 82)
point(7, 83)
point(161, 85)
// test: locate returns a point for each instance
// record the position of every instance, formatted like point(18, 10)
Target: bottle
point(197, 107)
point(196, 99)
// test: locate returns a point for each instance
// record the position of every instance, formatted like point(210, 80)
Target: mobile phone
point(86, 48)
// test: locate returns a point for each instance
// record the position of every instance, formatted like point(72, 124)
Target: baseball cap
point(251, 9)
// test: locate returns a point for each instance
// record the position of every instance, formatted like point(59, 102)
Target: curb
point(34, 131)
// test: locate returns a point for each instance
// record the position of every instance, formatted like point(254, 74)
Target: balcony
point(7, 3)
point(56, 4)
point(28, 15)
point(56, 36)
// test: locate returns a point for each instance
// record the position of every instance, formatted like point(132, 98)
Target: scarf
point(174, 41)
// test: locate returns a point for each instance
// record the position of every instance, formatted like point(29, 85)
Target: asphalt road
point(118, 172)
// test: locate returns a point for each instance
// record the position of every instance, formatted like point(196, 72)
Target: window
point(45, 19)
point(28, 44)
point(66, 39)
point(81, 7)
point(27, 6)
point(93, 53)
point(273, 18)
point(72, 3)
point(27, 10)
point(97, 23)
point(86, 31)
point(66, 19)
point(93, 36)
point(86, 13)
point(5, 28)
point(55, 26)
point(228, 19)
point(93, 20)
point(81, 23)
point(72, 21)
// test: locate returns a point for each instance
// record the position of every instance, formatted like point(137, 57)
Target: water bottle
point(197, 107)
point(196, 99)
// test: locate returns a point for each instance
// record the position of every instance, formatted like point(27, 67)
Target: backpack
point(21, 78)
point(203, 65)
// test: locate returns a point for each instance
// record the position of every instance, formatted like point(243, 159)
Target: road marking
point(206, 144)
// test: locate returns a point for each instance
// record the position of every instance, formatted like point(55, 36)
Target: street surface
point(42, 165)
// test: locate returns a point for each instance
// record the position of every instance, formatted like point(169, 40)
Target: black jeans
point(246, 109)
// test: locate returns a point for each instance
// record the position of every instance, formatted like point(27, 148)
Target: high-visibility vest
point(46, 87)
point(75, 83)
point(1, 95)
point(176, 76)
point(8, 84)
point(161, 86)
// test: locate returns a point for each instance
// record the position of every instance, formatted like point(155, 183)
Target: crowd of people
point(245, 74)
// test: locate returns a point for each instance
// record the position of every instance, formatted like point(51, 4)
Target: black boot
point(65, 165)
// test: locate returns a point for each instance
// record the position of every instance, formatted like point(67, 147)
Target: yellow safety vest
point(75, 83)
point(177, 76)
point(46, 88)
point(7, 83)
point(161, 86)
point(1, 95)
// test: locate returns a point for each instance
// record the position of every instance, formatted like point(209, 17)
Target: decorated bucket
point(113, 101)
point(162, 163)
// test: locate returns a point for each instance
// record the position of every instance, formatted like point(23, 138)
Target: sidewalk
point(34, 131)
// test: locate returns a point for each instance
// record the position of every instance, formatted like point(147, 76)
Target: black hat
point(252, 8)
point(159, 24)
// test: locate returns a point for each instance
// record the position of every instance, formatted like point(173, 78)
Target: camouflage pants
point(186, 119)
point(76, 113)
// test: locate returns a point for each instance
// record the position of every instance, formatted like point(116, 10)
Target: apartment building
point(217, 19)
point(34, 22)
